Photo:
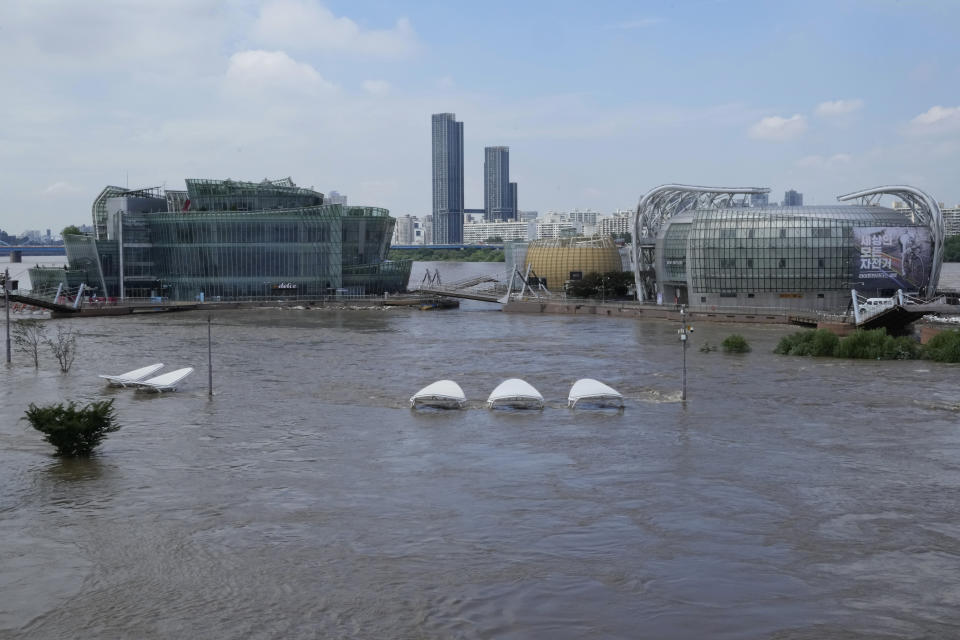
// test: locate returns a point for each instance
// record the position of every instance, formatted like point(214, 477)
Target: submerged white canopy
point(166, 382)
point(130, 377)
point(442, 394)
point(515, 393)
point(594, 392)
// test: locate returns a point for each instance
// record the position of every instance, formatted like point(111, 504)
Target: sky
point(598, 101)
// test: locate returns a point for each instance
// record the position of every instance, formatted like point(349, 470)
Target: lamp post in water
point(683, 331)
point(6, 305)
point(209, 358)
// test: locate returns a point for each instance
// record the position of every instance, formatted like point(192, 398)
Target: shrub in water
point(819, 342)
point(823, 343)
point(73, 431)
point(943, 347)
point(735, 344)
point(876, 345)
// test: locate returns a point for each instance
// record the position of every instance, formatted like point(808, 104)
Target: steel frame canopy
point(923, 207)
point(659, 205)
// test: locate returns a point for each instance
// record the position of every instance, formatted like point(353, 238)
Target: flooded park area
point(786, 498)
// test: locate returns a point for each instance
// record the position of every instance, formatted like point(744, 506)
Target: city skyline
point(841, 96)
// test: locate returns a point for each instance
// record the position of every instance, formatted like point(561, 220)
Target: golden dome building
point(560, 260)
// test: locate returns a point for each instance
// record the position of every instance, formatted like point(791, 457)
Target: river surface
point(786, 498)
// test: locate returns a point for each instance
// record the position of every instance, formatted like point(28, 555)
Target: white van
point(875, 305)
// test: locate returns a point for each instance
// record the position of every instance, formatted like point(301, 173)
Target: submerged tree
point(735, 343)
point(73, 431)
point(64, 348)
point(27, 336)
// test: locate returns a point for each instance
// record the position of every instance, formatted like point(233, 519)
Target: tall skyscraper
point(496, 184)
point(447, 138)
point(513, 200)
point(792, 199)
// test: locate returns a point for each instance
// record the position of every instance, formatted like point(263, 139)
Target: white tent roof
point(514, 389)
point(167, 381)
point(590, 389)
point(441, 389)
point(133, 376)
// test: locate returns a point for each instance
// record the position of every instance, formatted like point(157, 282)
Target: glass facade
point(770, 250)
point(229, 240)
point(675, 253)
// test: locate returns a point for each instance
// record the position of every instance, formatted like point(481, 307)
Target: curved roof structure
point(923, 207)
point(659, 205)
point(666, 201)
point(444, 394)
point(590, 390)
point(515, 393)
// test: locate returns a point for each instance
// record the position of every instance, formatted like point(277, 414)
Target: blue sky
point(599, 101)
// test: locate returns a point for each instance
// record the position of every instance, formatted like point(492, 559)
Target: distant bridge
point(485, 288)
point(33, 250)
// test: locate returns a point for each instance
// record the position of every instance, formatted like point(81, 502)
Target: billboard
point(893, 257)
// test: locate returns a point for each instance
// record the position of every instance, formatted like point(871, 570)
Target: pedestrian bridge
point(895, 314)
point(485, 288)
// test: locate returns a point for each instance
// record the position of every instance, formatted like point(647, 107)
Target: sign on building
point(893, 257)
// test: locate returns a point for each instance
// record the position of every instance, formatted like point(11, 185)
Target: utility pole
point(683, 331)
point(209, 359)
point(6, 306)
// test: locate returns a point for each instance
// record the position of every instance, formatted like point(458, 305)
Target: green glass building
point(231, 240)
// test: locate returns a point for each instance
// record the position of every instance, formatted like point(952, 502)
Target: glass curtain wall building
point(497, 188)
point(230, 240)
point(447, 141)
point(711, 249)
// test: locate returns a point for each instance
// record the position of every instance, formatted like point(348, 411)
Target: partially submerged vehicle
point(165, 382)
point(442, 394)
point(516, 394)
point(593, 393)
point(130, 377)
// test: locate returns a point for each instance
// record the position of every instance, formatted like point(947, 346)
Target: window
point(782, 263)
point(821, 232)
point(783, 233)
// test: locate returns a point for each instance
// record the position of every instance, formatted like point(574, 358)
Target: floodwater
point(786, 498)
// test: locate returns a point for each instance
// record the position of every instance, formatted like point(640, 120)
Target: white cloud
point(308, 25)
point(777, 129)
point(838, 108)
point(825, 162)
point(257, 70)
point(376, 87)
point(937, 119)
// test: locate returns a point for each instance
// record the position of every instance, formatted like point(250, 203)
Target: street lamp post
point(683, 331)
point(6, 306)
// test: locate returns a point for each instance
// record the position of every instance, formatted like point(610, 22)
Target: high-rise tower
point(497, 192)
point(447, 139)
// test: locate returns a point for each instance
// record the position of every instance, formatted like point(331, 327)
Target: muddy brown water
point(787, 498)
